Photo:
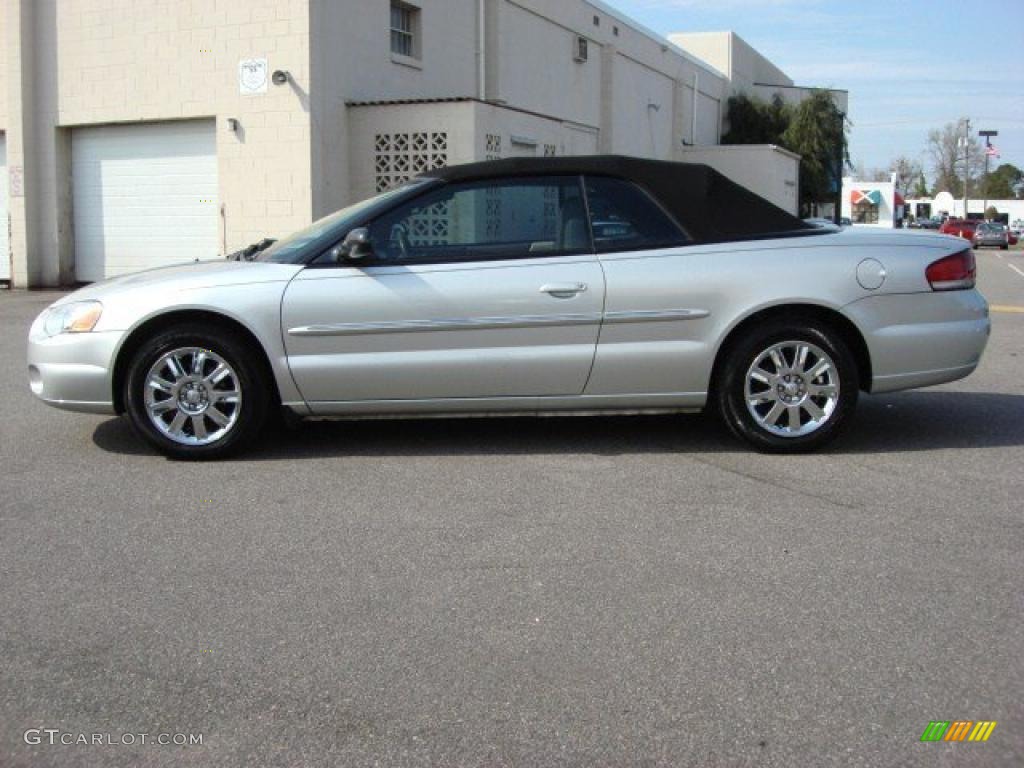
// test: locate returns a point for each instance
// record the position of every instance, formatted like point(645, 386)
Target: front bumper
point(922, 339)
point(73, 371)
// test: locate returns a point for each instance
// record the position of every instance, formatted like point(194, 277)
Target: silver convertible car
point(528, 286)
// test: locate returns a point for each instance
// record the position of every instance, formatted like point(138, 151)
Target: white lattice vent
point(400, 156)
point(493, 146)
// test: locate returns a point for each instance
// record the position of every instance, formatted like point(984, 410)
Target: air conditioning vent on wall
point(580, 51)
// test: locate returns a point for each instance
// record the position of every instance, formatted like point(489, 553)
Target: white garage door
point(144, 196)
point(5, 255)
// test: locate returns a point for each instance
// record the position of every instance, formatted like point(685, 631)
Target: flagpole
point(988, 153)
point(984, 183)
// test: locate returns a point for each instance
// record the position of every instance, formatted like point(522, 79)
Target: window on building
point(405, 21)
point(623, 217)
point(484, 221)
point(865, 213)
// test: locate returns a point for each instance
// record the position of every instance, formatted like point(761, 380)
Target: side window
point(624, 218)
point(405, 24)
point(481, 221)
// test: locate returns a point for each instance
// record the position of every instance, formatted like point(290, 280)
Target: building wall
point(351, 60)
point(550, 83)
point(613, 33)
point(390, 143)
point(746, 69)
point(4, 66)
point(944, 202)
point(643, 114)
point(158, 61)
point(750, 68)
point(734, 57)
point(888, 215)
point(104, 61)
point(771, 171)
point(634, 91)
point(72, 63)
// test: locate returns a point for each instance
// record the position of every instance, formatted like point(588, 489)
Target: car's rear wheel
point(195, 394)
point(787, 387)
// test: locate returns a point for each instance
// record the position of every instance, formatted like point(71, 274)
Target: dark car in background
point(992, 234)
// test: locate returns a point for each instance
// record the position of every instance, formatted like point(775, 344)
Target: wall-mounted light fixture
point(232, 125)
point(280, 77)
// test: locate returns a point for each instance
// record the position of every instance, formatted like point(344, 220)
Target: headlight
point(76, 317)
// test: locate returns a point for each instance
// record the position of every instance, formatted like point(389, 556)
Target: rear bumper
point(73, 371)
point(922, 339)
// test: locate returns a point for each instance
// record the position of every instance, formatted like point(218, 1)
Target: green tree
point(815, 129)
point(1001, 182)
point(920, 186)
point(752, 121)
point(817, 132)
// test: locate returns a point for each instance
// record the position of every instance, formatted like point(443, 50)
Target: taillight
point(953, 273)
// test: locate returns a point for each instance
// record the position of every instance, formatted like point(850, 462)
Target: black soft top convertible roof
point(709, 206)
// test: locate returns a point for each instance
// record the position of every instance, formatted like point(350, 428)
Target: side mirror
point(355, 247)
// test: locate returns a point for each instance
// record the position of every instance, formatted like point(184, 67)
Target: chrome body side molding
point(488, 323)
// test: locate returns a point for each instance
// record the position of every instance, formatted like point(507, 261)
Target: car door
point(658, 298)
point(485, 289)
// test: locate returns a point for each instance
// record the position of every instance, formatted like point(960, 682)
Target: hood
point(187, 276)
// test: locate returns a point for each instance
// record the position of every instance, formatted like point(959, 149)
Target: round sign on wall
point(252, 76)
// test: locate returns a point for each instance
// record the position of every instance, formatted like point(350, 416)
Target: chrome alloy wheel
point(193, 396)
point(792, 389)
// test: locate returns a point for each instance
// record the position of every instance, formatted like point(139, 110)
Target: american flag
point(991, 151)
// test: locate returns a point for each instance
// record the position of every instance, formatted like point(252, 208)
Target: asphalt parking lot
point(563, 592)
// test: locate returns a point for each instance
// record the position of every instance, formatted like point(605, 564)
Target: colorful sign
point(958, 730)
point(872, 197)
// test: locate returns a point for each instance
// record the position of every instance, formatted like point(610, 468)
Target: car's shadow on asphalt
point(914, 421)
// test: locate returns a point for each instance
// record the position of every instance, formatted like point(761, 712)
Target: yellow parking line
point(1005, 308)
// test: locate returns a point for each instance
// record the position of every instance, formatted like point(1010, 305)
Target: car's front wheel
point(196, 394)
point(788, 388)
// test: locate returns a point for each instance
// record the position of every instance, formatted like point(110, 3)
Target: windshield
point(297, 246)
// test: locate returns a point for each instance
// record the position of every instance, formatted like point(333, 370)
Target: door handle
point(563, 290)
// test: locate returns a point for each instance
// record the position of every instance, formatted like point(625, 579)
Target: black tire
point(252, 382)
point(1004, 247)
point(730, 388)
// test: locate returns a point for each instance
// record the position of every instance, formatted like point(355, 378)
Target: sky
point(910, 66)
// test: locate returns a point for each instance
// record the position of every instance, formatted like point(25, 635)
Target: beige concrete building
point(135, 134)
point(746, 69)
point(774, 175)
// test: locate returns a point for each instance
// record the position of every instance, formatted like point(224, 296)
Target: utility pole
point(988, 144)
point(967, 160)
